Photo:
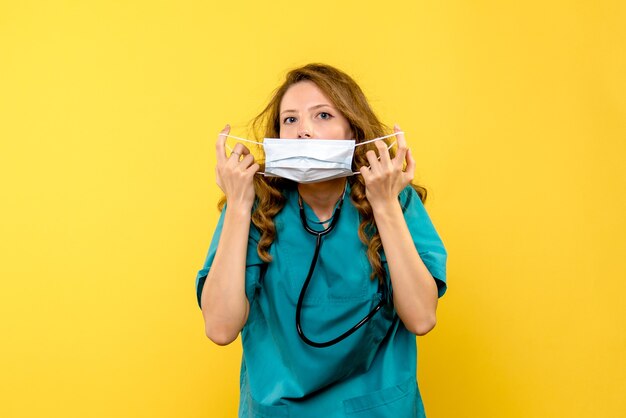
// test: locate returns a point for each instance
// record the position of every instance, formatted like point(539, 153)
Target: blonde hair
point(349, 99)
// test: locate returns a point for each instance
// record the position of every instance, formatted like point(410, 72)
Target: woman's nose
point(304, 131)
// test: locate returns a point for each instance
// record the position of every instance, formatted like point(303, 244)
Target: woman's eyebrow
point(310, 108)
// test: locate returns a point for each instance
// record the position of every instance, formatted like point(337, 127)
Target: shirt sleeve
point(426, 239)
point(254, 264)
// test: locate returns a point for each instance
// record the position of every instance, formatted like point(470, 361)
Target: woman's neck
point(322, 196)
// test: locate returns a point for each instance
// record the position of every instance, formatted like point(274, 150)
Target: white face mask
point(309, 160)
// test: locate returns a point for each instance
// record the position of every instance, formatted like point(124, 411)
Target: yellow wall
point(515, 112)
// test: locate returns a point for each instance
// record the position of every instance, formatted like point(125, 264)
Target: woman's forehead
point(302, 96)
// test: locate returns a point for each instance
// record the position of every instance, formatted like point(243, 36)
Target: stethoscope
point(318, 244)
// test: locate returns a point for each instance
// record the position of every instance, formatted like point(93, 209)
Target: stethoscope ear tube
point(318, 244)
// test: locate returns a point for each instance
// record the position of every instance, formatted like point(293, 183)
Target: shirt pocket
point(255, 409)
point(400, 400)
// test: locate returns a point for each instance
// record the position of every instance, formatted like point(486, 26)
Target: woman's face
point(306, 113)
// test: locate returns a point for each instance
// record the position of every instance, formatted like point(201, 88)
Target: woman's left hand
point(385, 178)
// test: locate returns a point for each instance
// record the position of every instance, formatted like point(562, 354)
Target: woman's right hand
point(224, 303)
point(234, 173)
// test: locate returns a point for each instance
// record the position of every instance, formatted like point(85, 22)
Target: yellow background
point(109, 110)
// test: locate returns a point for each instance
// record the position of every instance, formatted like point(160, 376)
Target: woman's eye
point(289, 119)
point(325, 115)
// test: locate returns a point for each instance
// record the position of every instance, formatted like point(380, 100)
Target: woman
point(328, 274)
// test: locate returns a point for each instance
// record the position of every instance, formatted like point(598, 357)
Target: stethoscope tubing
point(318, 244)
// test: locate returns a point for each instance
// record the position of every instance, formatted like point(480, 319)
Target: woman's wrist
point(385, 209)
point(239, 210)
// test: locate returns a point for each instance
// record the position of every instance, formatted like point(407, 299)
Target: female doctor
point(328, 273)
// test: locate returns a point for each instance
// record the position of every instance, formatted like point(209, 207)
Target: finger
point(383, 152)
point(243, 149)
point(365, 172)
point(253, 168)
point(245, 162)
point(398, 160)
point(238, 151)
point(221, 142)
point(410, 166)
point(373, 160)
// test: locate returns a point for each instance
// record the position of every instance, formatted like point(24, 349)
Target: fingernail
point(396, 126)
point(227, 126)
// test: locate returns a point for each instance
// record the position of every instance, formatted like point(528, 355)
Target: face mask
point(310, 160)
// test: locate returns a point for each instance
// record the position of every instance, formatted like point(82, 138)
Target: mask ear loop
point(377, 139)
point(245, 140)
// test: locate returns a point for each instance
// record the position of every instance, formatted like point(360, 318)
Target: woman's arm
point(414, 289)
point(224, 303)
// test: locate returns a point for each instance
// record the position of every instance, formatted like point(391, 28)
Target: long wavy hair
point(349, 99)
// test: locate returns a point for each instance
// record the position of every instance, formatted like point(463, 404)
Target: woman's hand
point(414, 289)
point(385, 179)
point(225, 306)
point(234, 174)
